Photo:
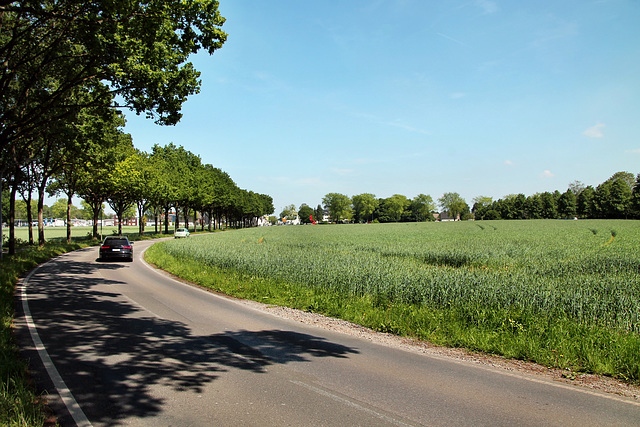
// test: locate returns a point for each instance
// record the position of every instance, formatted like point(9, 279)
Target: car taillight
point(126, 247)
point(104, 247)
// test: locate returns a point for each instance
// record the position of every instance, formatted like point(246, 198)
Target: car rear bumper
point(116, 255)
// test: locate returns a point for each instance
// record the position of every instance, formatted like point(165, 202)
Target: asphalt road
point(124, 344)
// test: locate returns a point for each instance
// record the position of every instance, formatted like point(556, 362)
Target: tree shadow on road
point(112, 353)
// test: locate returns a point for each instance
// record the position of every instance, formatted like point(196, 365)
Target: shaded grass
point(554, 341)
point(19, 405)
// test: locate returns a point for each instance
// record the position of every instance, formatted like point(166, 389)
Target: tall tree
point(422, 208)
point(137, 50)
point(635, 198)
point(305, 213)
point(481, 205)
point(319, 214)
point(585, 203)
point(338, 205)
point(567, 206)
point(363, 206)
point(289, 212)
point(549, 206)
point(625, 177)
point(453, 204)
point(166, 190)
point(123, 181)
point(395, 206)
point(576, 187)
point(129, 54)
point(612, 198)
point(94, 131)
point(26, 191)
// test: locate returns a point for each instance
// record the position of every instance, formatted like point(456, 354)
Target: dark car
point(116, 247)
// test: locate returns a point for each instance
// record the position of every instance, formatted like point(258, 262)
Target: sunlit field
point(526, 289)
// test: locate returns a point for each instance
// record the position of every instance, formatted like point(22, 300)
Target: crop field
point(587, 270)
point(506, 277)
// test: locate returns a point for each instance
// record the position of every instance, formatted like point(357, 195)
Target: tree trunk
point(154, 210)
point(120, 212)
point(69, 219)
point(140, 223)
point(12, 220)
point(1, 234)
point(96, 215)
point(41, 214)
point(166, 220)
point(30, 218)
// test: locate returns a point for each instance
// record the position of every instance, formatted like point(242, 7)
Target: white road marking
point(350, 403)
point(65, 394)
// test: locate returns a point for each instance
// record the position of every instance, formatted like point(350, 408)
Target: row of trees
point(57, 210)
point(367, 208)
point(67, 67)
point(169, 178)
point(618, 197)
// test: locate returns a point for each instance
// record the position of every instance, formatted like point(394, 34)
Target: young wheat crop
point(557, 268)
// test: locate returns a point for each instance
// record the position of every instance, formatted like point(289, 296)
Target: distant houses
point(446, 217)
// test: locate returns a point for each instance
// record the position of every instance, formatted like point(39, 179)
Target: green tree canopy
point(338, 205)
point(453, 204)
point(422, 208)
point(305, 212)
point(635, 198)
point(54, 49)
point(363, 206)
point(395, 206)
point(567, 204)
point(289, 212)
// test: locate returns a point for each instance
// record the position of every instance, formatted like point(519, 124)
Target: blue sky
point(406, 97)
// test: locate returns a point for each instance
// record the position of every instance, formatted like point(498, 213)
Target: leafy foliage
point(613, 199)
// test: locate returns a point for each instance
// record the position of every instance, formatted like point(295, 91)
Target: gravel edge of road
point(590, 381)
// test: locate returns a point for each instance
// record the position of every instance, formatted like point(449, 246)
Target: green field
point(58, 233)
point(562, 293)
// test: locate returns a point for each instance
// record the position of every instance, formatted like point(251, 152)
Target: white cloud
point(452, 39)
point(551, 33)
point(400, 125)
point(634, 151)
point(274, 179)
point(314, 182)
point(547, 174)
point(341, 172)
point(457, 95)
point(509, 163)
point(595, 131)
point(487, 6)
point(368, 160)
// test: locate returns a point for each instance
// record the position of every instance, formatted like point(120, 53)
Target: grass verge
point(19, 405)
point(551, 341)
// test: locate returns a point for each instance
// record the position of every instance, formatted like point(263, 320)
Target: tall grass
point(530, 289)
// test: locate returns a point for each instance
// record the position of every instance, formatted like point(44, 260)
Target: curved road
point(125, 344)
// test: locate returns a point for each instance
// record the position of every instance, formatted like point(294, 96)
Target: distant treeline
point(616, 198)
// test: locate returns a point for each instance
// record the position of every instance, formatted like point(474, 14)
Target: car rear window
point(117, 242)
